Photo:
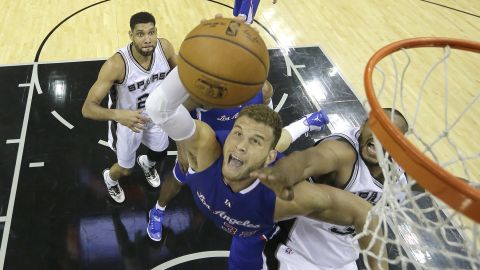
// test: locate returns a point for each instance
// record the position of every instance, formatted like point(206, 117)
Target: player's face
point(367, 147)
point(144, 38)
point(248, 147)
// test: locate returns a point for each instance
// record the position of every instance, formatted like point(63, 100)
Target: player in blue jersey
point(219, 177)
point(221, 121)
point(244, 10)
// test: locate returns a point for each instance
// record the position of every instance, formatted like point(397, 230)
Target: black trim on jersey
point(164, 55)
point(356, 168)
point(113, 124)
point(152, 61)
point(272, 245)
point(127, 70)
point(377, 183)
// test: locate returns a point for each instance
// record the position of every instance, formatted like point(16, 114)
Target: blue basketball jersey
point(223, 119)
point(246, 213)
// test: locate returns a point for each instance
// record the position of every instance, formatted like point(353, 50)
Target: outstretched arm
point(332, 205)
point(326, 157)
point(164, 106)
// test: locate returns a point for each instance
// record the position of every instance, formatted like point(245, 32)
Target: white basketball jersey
point(138, 83)
point(329, 245)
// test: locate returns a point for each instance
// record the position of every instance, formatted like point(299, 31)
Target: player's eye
point(255, 141)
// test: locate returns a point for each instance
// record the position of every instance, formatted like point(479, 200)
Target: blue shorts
point(247, 8)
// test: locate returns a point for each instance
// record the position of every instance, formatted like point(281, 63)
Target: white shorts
point(125, 142)
point(290, 260)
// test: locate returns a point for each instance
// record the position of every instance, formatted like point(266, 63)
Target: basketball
point(223, 63)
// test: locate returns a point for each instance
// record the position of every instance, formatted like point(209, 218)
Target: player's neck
point(144, 61)
point(239, 185)
point(376, 172)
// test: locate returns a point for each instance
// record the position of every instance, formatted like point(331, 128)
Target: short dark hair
point(397, 113)
point(141, 17)
point(265, 115)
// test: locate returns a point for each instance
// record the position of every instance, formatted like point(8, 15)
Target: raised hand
point(275, 180)
point(134, 120)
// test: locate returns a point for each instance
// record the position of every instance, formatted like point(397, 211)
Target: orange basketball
point(223, 63)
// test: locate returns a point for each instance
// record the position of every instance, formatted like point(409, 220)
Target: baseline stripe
point(281, 102)
point(172, 153)
point(36, 164)
point(104, 143)
point(62, 120)
point(193, 257)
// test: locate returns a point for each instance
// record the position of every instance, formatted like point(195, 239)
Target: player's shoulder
point(116, 61)
point(165, 44)
point(343, 149)
point(113, 68)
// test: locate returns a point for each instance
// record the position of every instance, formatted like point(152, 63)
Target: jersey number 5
point(141, 101)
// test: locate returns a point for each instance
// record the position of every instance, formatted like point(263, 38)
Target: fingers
point(141, 118)
point(217, 16)
point(287, 194)
point(137, 127)
point(263, 173)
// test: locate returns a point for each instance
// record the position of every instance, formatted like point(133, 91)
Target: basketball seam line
point(216, 76)
point(239, 45)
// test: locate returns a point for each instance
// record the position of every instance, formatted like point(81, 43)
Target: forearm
point(378, 260)
point(284, 142)
point(94, 111)
point(164, 106)
point(297, 166)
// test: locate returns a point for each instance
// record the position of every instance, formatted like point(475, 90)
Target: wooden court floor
point(348, 32)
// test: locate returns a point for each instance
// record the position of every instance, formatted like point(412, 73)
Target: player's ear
point(272, 154)
point(130, 34)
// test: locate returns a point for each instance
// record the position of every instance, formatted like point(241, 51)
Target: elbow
point(86, 112)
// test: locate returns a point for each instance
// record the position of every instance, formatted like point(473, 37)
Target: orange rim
point(445, 186)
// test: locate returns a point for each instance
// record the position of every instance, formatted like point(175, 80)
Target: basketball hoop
point(453, 191)
point(427, 229)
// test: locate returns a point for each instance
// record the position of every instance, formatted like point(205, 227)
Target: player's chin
point(233, 173)
point(369, 158)
point(146, 52)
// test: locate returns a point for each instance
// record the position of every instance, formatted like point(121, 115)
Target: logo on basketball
point(210, 88)
point(232, 28)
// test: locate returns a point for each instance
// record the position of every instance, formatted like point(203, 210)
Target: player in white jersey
point(129, 76)
point(347, 161)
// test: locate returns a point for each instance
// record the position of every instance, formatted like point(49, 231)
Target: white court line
point(16, 173)
point(36, 164)
point(35, 78)
point(12, 141)
point(24, 85)
point(3, 219)
point(290, 65)
point(104, 143)
point(62, 120)
point(281, 102)
point(169, 153)
point(192, 257)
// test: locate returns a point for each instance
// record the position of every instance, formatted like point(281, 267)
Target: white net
point(438, 92)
